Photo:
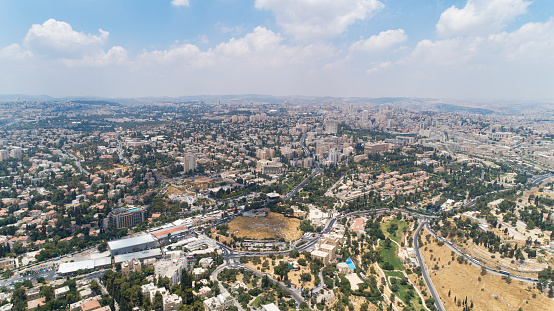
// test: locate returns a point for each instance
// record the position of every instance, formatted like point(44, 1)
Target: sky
point(460, 49)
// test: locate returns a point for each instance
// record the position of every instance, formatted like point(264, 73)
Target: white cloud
point(203, 39)
point(260, 48)
point(383, 41)
point(55, 42)
point(379, 67)
point(180, 2)
point(532, 42)
point(56, 38)
point(182, 55)
point(116, 55)
point(15, 51)
point(480, 17)
point(322, 18)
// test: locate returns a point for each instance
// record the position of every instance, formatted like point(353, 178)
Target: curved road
point(430, 286)
point(476, 262)
point(295, 293)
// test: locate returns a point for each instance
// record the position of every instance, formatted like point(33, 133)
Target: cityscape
point(154, 157)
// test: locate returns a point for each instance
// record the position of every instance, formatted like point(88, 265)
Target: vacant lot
point(274, 226)
point(176, 190)
point(490, 292)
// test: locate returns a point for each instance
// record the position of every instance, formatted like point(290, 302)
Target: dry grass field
point(274, 226)
point(176, 190)
point(490, 293)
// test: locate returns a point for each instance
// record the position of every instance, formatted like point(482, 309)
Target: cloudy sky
point(489, 49)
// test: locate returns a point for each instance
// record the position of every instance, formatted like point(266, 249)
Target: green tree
point(47, 292)
point(19, 300)
point(158, 302)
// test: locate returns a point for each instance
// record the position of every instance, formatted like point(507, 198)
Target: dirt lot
point(274, 226)
point(491, 293)
point(221, 238)
point(176, 190)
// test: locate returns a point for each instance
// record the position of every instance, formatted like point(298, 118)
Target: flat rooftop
point(138, 255)
point(123, 243)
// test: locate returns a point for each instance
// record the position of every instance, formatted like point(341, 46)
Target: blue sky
point(490, 49)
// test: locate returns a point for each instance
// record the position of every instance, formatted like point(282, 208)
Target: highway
point(537, 179)
point(476, 263)
point(430, 286)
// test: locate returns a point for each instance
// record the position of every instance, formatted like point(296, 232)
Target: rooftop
point(123, 243)
point(90, 305)
point(138, 255)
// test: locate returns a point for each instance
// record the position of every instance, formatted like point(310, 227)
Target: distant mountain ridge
point(473, 106)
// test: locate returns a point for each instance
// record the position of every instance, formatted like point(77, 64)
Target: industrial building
point(129, 245)
point(151, 253)
point(67, 268)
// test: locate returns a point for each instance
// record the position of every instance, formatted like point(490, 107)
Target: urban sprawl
point(336, 205)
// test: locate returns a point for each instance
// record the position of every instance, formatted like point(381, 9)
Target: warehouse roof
point(130, 242)
point(138, 255)
point(71, 267)
point(167, 231)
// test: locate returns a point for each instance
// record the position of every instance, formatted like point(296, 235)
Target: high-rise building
point(4, 155)
point(334, 156)
point(331, 126)
point(365, 117)
point(189, 163)
point(15, 153)
point(125, 217)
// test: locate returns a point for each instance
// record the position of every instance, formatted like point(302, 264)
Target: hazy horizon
point(463, 49)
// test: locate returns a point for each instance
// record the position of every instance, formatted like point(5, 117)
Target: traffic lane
point(426, 277)
point(494, 271)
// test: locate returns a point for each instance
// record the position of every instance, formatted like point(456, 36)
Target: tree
point(306, 277)
point(95, 287)
point(8, 273)
point(158, 302)
point(19, 300)
point(282, 270)
point(102, 247)
point(294, 253)
point(393, 228)
point(47, 292)
point(430, 302)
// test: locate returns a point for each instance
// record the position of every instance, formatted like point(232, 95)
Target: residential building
point(125, 217)
point(218, 303)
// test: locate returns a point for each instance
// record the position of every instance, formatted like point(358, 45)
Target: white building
point(172, 302)
point(189, 162)
point(171, 269)
point(15, 153)
point(270, 307)
point(218, 303)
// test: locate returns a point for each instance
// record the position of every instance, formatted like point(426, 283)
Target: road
point(213, 278)
point(476, 262)
point(316, 171)
point(76, 161)
point(537, 179)
point(234, 263)
point(430, 286)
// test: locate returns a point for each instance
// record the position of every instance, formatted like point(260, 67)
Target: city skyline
point(490, 49)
